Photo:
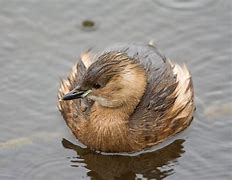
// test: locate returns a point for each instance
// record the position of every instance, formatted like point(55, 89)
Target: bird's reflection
point(151, 165)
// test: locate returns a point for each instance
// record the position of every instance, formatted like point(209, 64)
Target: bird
point(126, 98)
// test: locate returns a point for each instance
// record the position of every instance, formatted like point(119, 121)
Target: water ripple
point(43, 169)
point(186, 5)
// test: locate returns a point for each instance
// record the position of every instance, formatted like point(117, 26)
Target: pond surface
point(41, 40)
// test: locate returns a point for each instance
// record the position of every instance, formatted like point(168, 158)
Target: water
point(41, 40)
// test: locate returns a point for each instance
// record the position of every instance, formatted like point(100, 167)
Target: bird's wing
point(166, 107)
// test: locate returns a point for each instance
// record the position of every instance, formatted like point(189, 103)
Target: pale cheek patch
point(102, 101)
point(133, 82)
point(128, 76)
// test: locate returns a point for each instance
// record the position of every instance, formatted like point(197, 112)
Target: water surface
point(41, 40)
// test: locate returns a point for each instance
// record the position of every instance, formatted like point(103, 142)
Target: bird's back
point(167, 105)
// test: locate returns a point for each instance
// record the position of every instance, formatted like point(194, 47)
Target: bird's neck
point(108, 129)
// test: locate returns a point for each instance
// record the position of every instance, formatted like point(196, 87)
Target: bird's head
point(113, 80)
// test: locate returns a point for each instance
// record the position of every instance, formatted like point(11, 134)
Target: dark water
point(40, 41)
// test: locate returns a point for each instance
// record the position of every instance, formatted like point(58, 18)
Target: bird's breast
point(106, 131)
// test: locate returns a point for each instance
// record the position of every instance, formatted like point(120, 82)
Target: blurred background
point(41, 40)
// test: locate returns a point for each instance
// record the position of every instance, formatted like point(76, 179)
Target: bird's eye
point(96, 86)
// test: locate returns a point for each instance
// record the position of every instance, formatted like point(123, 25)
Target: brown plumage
point(126, 98)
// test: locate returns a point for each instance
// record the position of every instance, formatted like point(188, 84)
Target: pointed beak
point(75, 94)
